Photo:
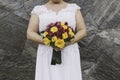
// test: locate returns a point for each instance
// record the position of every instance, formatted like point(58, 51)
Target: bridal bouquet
point(57, 35)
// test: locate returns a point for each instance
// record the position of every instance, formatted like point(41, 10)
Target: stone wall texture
point(100, 50)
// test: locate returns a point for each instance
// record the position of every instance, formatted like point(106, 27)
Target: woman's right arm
point(33, 28)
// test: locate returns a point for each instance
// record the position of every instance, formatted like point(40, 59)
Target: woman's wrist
point(73, 40)
point(42, 41)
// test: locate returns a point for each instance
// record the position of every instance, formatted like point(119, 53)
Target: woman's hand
point(71, 42)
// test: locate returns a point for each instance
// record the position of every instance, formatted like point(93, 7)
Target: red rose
point(51, 25)
point(50, 34)
point(58, 24)
point(66, 30)
point(58, 34)
point(48, 30)
point(60, 29)
point(66, 23)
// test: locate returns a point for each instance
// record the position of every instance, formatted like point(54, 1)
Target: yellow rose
point(46, 41)
point(62, 23)
point(64, 26)
point(60, 43)
point(45, 33)
point(70, 29)
point(54, 29)
point(54, 38)
point(71, 33)
point(65, 35)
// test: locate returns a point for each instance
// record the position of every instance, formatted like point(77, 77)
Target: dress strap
point(37, 9)
point(73, 7)
point(76, 6)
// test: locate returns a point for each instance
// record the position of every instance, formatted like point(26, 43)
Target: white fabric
point(70, 69)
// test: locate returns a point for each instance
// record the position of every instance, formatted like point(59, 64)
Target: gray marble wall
point(100, 50)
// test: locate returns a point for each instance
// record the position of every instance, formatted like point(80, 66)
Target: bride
point(53, 11)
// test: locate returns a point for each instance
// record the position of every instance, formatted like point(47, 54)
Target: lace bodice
point(47, 16)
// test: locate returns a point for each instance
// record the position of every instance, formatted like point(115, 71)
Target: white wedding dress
point(70, 68)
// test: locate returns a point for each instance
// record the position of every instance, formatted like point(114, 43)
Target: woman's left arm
point(81, 31)
point(80, 25)
point(80, 28)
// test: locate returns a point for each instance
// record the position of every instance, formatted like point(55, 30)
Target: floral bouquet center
point(57, 35)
